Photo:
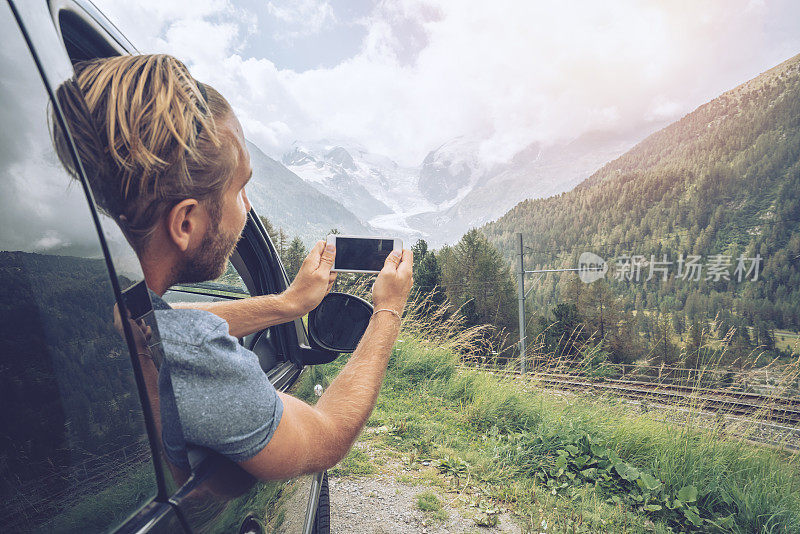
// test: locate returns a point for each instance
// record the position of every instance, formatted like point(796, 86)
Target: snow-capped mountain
point(453, 189)
point(374, 187)
point(451, 171)
point(292, 204)
point(334, 173)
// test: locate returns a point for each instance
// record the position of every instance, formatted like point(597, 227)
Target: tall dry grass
point(442, 325)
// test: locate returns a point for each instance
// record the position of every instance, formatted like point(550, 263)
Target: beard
point(209, 261)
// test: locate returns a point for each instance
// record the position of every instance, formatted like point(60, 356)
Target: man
point(167, 160)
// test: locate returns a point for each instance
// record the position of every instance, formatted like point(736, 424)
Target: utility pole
point(521, 289)
point(521, 295)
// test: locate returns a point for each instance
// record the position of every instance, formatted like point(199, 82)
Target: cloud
point(519, 72)
point(201, 31)
point(662, 109)
point(300, 18)
point(509, 72)
point(199, 41)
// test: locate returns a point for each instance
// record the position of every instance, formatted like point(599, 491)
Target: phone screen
point(360, 254)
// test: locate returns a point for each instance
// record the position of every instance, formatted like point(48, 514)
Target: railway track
point(781, 410)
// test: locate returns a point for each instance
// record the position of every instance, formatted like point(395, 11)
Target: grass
point(494, 444)
point(355, 463)
point(429, 503)
point(789, 341)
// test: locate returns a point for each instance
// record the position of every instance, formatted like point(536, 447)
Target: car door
point(75, 438)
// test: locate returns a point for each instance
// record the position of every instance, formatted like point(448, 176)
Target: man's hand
point(313, 280)
point(394, 281)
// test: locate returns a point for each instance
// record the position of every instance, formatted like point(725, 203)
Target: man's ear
point(184, 222)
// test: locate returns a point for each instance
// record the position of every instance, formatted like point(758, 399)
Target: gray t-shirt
point(213, 391)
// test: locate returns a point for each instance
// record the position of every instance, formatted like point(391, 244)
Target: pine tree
point(271, 232)
point(281, 243)
point(694, 344)
point(427, 273)
point(295, 254)
point(679, 324)
point(665, 349)
point(473, 270)
point(606, 318)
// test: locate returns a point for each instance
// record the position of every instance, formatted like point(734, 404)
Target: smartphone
point(361, 254)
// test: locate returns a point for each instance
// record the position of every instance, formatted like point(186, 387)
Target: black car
point(80, 449)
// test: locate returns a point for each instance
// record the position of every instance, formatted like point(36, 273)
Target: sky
point(400, 78)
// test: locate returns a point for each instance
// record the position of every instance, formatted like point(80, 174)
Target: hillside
point(290, 203)
point(723, 180)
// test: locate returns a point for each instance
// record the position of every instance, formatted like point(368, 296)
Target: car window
point(228, 285)
point(74, 448)
point(230, 281)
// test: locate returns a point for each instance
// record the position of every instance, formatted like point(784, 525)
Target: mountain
point(373, 186)
point(335, 174)
point(451, 171)
point(292, 204)
point(452, 189)
point(723, 180)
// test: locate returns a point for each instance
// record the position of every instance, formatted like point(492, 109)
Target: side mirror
point(338, 323)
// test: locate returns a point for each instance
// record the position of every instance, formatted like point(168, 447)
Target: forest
point(722, 183)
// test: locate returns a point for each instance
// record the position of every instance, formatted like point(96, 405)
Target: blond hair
point(147, 135)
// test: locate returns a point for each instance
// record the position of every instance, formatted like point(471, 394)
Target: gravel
point(383, 505)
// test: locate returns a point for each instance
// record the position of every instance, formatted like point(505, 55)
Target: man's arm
point(313, 438)
point(246, 316)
